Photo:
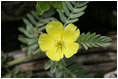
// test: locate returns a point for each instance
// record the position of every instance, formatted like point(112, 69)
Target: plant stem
point(73, 75)
point(19, 60)
point(69, 17)
point(66, 69)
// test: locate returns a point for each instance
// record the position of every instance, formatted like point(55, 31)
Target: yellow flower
point(58, 41)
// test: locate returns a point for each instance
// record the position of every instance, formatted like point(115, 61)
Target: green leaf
point(77, 15)
point(26, 40)
point(71, 12)
point(85, 36)
point(100, 38)
point(93, 40)
point(73, 2)
point(84, 46)
point(27, 22)
point(35, 15)
point(81, 37)
point(31, 18)
point(23, 30)
point(62, 63)
point(95, 37)
point(53, 67)
point(65, 74)
point(73, 20)
point(53, 19)
point(30, 48)
point(80, 9)
point(69, 5)
point(36, 51)
point(42, 6)
point(48, 64)
point(49, 13)
point(66, 9)
point(58, 73)
point(81, 3)
point(75, 66)
point(70, 60)
point(30, 29)
point(57, 5)
point(34, 26)
point(62, 16)
point(106, 39)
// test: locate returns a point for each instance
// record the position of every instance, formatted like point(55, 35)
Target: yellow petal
point(46, 42)
point(71, 33)
point(54, 28)
point(54, 54)
point(70, 49)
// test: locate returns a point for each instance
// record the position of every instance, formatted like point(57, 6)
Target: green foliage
point(55, 67)
point(72, 10)
point(59, 71)
point(68, 69)
point(16, 74)
point(4, 60)
point(93, 40)
point(69, 12)
point(43, 6)
point(11, 72)
point(74, 69)
point(48, 64)
point(34, 26)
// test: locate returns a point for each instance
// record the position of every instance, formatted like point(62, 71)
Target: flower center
point(59, 44)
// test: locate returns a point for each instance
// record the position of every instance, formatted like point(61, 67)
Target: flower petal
point(46, 42)
point(70, 49)
point(54, 28)
point(71, 33)
point(54, 55)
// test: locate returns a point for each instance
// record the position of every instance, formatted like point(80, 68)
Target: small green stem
point(64, 64)
point(73, 75)
point(16, 61)
point(69, 17)
point(19, 60)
